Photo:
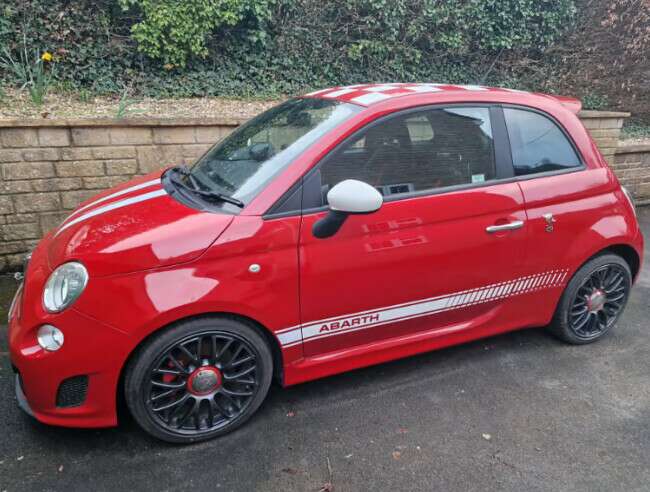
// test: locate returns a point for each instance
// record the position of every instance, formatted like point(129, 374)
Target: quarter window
point(419, 151)
point(538, 145)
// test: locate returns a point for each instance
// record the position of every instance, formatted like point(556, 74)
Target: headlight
point(64, 286)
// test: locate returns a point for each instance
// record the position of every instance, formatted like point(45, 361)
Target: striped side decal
point(348, 323)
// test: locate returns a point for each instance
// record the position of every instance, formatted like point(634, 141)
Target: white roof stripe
point(340, 92)
point(517, 91)
point(473, 87)
point(423, 88)
point(370, 98)
point(382, 88)
point(318, 92)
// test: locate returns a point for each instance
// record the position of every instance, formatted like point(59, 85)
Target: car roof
point(370, 94)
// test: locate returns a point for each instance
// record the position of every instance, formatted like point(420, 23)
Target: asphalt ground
point(517, 412)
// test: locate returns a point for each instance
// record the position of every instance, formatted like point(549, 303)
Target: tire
point(593, 300)
point(198, 379)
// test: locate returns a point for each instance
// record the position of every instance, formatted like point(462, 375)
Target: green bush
point(260, 48)
point(172, 31)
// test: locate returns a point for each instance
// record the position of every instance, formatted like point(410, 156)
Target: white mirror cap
point(355, 197)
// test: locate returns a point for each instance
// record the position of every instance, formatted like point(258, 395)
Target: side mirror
point(347, 197)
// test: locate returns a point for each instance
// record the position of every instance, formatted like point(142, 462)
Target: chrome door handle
point(510, 226)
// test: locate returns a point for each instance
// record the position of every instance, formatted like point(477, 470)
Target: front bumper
point(92, 350)
point(84, 353)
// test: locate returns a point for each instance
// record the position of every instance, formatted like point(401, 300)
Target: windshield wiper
point(195, 187)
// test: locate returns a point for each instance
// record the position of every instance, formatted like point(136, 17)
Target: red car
point(344, 228)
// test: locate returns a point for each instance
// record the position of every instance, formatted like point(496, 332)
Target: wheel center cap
point(204, 380)
point(596, 300)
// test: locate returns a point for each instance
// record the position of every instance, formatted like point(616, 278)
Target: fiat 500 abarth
point(343, 228)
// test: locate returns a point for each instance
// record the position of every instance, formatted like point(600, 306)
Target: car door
point(565, 200)
point(445, 251)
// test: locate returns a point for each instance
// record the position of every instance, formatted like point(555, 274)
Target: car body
point(483, 247)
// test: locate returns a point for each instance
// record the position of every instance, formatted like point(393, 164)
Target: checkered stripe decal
point(400, 312)
point(366, 94)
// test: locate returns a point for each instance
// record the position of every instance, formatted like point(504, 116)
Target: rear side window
point(425, 150)
point(538, 145)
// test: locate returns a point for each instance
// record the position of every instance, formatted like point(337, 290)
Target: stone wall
point(632, 167)
point(47, 167)
point(605, 128)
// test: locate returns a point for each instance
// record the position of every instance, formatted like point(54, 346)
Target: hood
point(134, 226)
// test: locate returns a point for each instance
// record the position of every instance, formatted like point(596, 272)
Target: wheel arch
point(271, 340)
point(628, 253)
point(625, 251)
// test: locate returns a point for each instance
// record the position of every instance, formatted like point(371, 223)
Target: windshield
point(246, 160)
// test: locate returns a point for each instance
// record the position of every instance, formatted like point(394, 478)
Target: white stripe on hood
point(137, 187)
point(111, 206)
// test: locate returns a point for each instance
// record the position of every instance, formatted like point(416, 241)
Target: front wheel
point(593, 300)
point(199, 379)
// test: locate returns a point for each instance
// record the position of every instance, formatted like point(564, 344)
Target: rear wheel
point(198, 380)
point(593, 300)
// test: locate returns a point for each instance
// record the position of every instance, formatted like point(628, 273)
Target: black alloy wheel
point(198, 380)
point(593, 300)
point(599, 301)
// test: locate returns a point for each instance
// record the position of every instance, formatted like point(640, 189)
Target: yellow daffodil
point(46, 56)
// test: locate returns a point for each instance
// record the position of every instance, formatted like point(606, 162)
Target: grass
point(60, 103)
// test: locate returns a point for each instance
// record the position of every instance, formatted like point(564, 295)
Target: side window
point(538, 145)
point(418, 151)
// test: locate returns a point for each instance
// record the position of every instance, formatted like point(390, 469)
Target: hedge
point(260, 48)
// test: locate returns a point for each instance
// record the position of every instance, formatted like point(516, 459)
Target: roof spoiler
point(571, 103)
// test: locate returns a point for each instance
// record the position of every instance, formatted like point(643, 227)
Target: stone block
point(70, 199)
point(77, 153)
point(27, 170)
point(153, 158)
point(37, 202)
point(7, 155)
point(41, 155)
point(56, 184)
point(12, 232)
point(80, 168)
point(173, 135)
point(90, 136)
point(130, 135)
point(121, 166)
point(54, 137)
point(19, 137)
point(211, 134)
point(104, 182)
point(123, 152)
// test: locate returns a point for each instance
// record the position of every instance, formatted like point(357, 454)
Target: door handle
point(510, 226)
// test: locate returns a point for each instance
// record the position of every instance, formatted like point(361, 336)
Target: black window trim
point(504, 166)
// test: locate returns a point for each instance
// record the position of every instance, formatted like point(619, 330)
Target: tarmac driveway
point(515, 412)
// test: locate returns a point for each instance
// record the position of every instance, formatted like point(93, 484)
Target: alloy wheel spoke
point(236, 393)
point(172, 404)
point(161, 384)
point(176, 363)
point(193, 357)
point(239, 374)
point(224, 349)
